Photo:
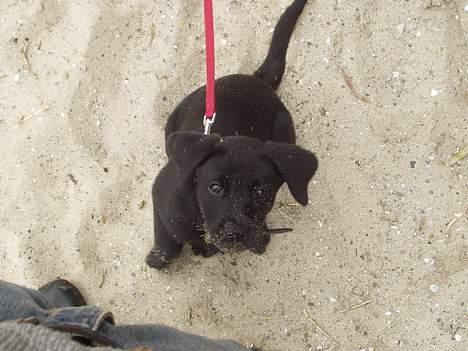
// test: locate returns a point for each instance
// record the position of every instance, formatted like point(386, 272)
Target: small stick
point(285, 216)
point(25, 54)
point(278, 231)
point(23, 119)
point(453, 221)
point(355, 306)
point(103, 279)
point(458, 156)
point(349, 83)
point(300, 104)
point(293, 205)
point(152, 34)
point(318, 217)
point(321, 329)
point(41, 110)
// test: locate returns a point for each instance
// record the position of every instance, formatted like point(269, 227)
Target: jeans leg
point(61, 293)
point(162, 338)
point(19, 302)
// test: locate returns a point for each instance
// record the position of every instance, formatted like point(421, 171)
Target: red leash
point(210, 112)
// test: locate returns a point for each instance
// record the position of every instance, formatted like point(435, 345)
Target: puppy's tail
point(272, 68)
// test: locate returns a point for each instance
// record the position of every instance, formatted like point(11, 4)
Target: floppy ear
point(188, 150)
point(295, 165)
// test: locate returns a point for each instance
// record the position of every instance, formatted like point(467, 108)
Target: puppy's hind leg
point(165, 249)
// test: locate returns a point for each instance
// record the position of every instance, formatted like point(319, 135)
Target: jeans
point(21, 303)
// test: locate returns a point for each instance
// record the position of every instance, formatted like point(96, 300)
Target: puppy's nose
point(233, 236)
point(232, 231)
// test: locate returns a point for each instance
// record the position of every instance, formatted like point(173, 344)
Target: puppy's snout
point(234, 236)
point(232, 231)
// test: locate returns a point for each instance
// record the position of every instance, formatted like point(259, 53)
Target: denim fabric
point(18, 302)
point(28, 337)
point(162, 338)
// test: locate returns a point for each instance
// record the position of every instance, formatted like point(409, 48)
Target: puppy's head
point(236, 181)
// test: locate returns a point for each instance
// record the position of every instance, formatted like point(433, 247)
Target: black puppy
point(216, 190)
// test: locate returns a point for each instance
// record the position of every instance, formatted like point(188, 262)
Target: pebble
point(434, 288)
point(401, 28)
point(435, 92)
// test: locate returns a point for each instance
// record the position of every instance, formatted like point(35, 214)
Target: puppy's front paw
point(206, 250)
point(157, 259)
point(260, 246)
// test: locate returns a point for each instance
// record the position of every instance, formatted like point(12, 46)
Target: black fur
point(216, 190)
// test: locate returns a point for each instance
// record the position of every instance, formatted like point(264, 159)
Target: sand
point(378, 91)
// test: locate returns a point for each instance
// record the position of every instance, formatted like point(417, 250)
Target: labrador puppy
point(216, 190)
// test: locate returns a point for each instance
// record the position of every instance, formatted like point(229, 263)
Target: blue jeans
point(21, 303)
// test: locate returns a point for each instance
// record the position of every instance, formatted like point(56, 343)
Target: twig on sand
point(274, 231)
point(453, 221)
point(103, 279)
point(289, 219)
point(300, 104)
point(349, 82)
point(25, 54)
point(314, 322)
point(152, 34)
point(319, 218)
point(359, 305)
point(24, 118)
point(459, 156)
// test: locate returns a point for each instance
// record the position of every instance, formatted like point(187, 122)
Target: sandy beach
point(378, 91)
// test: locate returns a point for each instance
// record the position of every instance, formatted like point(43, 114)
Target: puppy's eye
point(215, 188)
